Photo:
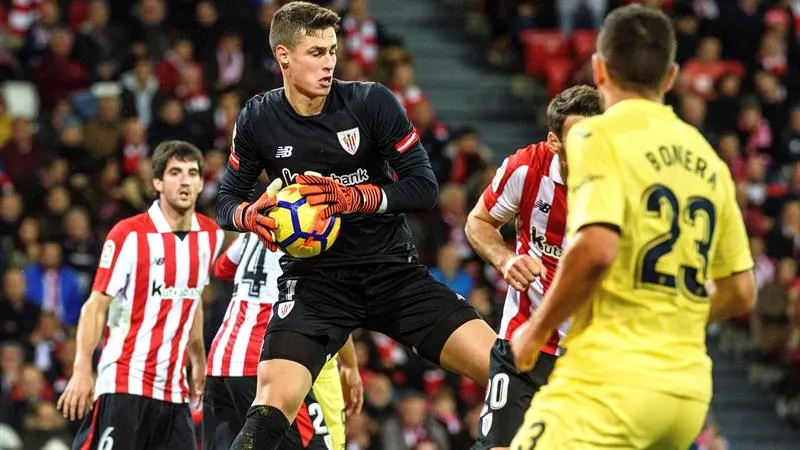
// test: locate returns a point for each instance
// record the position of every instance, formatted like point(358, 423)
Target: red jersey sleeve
point(502, 198)
point(117, 260)
point(225, 268)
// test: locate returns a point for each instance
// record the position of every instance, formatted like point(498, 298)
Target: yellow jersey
point(639, 168)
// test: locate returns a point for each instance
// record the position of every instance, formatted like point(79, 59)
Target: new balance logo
point(159, 261)
point(284, 151)
point(542, 206)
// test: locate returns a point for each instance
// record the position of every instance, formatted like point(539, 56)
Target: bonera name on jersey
point(158, 290)
point(541, 243)
point(349, 179)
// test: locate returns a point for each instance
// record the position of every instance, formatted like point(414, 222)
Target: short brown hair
point(180, 150)
point(578, 100)
point(638, 46)
point(296, 18)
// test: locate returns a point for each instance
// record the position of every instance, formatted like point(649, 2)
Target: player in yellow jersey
point(329, 393)
point(652, 219)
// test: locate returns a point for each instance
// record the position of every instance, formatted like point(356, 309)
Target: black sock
point(264, 429)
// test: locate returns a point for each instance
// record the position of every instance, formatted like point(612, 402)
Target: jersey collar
point(160, 222)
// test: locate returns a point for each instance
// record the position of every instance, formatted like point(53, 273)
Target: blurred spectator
point(22, 155)
point(102, 135)
point(12, 358)
point(58, 74)
point(168, 70)
point(10, 213)
point(754, 130)
point(141, 96)
point(40, 34)
point(170, 124)
point(361, 34)
point(81, 247)
point(789, 147)
point(208, 28)
point(53, 286)
point(101, 45)
point(568, 11)
point(706, 68)
point(18, 315)
point(151, 28)
point(413, 425)
point(448, 271)
point(134, 146)
point(467, 154)
point(229, 65)
point(433, 136)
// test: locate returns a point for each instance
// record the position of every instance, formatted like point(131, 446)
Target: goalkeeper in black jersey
point(373, 170)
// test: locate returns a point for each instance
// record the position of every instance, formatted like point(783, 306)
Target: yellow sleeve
point(733, 248)
point(595, 186)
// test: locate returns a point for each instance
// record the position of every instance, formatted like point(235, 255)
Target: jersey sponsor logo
point(107, 256)
point(349, 140)
point(544, 247)
point(359, 176)
point(158, 261)
point(285, 308)
point(158, 290)
point(542, 206)
point(284, 151)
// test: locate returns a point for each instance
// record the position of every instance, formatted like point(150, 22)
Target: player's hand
point(352, 388)
point(253, 217)
point(519, 271)
point(76, 399)
point(524, 347)
point(320, 190)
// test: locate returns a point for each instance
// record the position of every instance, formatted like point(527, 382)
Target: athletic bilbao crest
point(285, 308)
point(349, 140)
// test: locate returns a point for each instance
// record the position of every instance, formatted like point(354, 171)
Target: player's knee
point(282, 384)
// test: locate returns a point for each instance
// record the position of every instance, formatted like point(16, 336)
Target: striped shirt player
point(146, 306)
point(233, 358)
point(530, 187)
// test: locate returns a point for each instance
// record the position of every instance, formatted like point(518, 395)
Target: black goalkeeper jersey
point(361, 136)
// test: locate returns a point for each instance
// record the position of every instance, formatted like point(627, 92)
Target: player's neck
point(178, 221)
point(302, 104)
point(614, 95)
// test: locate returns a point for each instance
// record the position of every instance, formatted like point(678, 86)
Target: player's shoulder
point(133, 224)
point(261, 103)
point(359, 91)
point(532, 156)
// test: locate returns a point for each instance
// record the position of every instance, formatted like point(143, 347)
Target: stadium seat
point(21, 98)
point(558, 72)
point(583, 44)
point(541, 46)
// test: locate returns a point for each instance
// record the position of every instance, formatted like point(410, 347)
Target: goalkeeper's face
point(308, 67)
point(557, 144)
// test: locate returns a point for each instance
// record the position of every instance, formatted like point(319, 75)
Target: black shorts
point(400, 300)
point(508, 395)
point(133, 422)
point(225, 406)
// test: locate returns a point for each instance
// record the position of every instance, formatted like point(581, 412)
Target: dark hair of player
point(581, 100)
point(294, 19)
point(180, 150)
point(638, 46)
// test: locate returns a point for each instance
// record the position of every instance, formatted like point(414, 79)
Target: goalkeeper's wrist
point(372, 199)
point(238, 216)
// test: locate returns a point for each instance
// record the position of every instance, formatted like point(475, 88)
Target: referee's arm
point(241, 173)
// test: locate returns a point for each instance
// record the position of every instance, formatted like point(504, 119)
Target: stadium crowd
point(115, 78)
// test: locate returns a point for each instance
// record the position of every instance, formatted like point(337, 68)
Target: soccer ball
point(300, 233)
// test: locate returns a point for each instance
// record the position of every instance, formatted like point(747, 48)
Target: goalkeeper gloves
point(253, 217)
point(320, 190)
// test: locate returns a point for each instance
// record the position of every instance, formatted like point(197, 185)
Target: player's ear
point(599, 72)
point(282, 55)
point(671, 77)
point(553, 143)
point(158, 185)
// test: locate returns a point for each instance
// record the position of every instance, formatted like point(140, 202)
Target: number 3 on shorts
point(106, 441)
point(533, 434)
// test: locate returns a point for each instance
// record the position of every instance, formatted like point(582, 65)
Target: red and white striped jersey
point(254, 270)
point(528, 186)
point(155, 277)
